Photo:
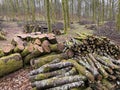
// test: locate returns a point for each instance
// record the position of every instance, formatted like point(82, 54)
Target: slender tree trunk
point(118, 16)
point(67, 13)
point(64, 15)
point(48, 15)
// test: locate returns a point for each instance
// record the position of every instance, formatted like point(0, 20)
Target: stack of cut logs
point(82, 66)
point(29, 28)
point(25, 47)
point(83, 44)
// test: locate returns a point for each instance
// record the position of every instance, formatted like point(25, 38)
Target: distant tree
point(67, 13)
point(64, 16)
point(118, 16)
point(48, 15)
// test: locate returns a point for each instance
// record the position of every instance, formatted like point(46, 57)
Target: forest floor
point(19, 79)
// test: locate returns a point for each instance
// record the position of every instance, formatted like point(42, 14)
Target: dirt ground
point(19, 79)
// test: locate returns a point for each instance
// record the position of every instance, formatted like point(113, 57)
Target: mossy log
point(54, 82)
point(2, 37)
point(71, 72)
point(37, 52)
point(47, 75)
point(18, 48)
point(10, 63)
point(82, 70)
point(1, 53)
point(108, 84)
point(51, 67)
point(17, 41)
point(90, 67)
point(38, 62)
point(8, 49)
point(28, 49)
point(69, 86)
point(58, 47)
point(99, 66)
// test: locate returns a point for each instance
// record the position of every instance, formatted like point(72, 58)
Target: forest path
point(75, 27)
point(11, 30)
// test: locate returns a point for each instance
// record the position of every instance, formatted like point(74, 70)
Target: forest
point(59, 44)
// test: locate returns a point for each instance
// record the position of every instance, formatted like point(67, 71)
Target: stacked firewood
point(88, 63)
point(83, 44)
point(33, 27)
point(91, 71)
point(29, 28)
point(28, 46)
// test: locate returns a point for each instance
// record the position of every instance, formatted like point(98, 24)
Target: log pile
point(89, 63)
point(29, 28)
point(10, 63)
point(84, 44)
point(29, 46)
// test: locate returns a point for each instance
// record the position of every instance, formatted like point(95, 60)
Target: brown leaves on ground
point(16, 81)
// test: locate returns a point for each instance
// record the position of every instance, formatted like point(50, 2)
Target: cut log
point(18, 48)
point(48, 83)
point(37, 52)
point(28, 49)
point(37, 41)
point(7, 49)
point(17, 41)
point(45, 45)
point(10, 63)
point(51, 37)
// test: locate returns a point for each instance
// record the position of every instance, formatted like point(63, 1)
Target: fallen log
point(18, 48)
point(82, 70)
point(10, 64)
point(38, 62)
point(69, 86)
point(51, 67)
point(49, 83)
point(8, 49)
point(37, 52)
point(99, 66)
point(17, 41)
point(28, 49)
point(47, 75)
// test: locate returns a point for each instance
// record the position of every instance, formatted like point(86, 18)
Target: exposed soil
point(11, 29)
